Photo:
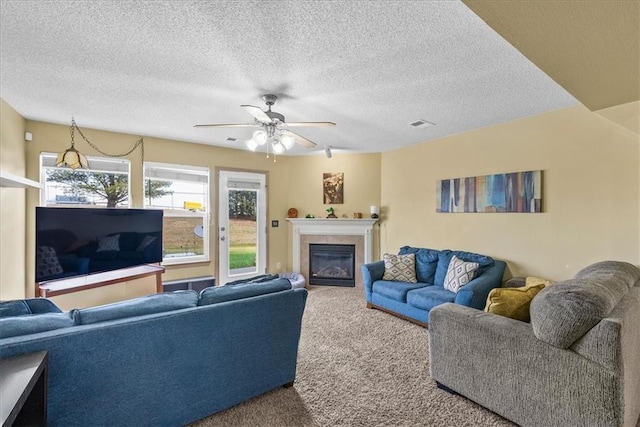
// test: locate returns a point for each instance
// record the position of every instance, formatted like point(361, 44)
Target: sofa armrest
point(370, 273)
point(475, 293)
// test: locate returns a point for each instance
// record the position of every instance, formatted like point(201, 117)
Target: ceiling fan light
point(251, 144)
point(288, 141)
point(260, 137)
point(278, 148)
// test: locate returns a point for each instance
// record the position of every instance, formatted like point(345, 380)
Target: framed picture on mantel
point(517, 192)
point(333, 188)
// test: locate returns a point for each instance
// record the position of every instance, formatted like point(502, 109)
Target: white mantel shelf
point(333, 227)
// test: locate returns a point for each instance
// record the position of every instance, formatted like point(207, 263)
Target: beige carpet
point(357, 367)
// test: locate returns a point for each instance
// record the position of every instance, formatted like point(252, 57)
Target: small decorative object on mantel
point(331, 214)
point(292, 213)
point(309, 216)
point(374, 212)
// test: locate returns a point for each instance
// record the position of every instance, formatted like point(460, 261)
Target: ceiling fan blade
point(308, 124)
point(227, 125)
point(257, 112)
point(300, 139)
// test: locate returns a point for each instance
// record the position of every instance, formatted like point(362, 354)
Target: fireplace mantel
point(332, 227)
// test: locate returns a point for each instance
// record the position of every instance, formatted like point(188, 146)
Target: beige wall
point(361, 187)
point(12, 205)
point(292, 181)
point(591, 193)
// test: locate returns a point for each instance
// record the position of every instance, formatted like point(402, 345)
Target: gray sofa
point(576, 364)
point(162, 360)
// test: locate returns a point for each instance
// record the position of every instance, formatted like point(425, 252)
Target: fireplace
point(332, 264)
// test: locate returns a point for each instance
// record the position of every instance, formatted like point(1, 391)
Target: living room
point(591, 193)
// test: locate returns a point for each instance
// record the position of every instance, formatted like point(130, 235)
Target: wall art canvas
point(333, 188)
point(506, 192)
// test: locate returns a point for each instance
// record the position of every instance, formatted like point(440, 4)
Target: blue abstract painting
point(506, 192)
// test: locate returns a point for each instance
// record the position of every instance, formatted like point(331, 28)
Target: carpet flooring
point(357, 367)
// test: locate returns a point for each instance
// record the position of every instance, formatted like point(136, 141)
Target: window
point(105, 184)
point(182, 192)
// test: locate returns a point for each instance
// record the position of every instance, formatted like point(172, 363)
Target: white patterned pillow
point(47, 263)
point(400, 268)
point(459, 274)
point(109, 243)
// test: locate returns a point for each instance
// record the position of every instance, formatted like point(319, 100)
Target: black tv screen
point(79, 241)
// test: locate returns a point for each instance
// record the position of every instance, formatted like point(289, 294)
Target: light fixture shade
point(72, 158)
point(260, 137)
point(375, 210)
point(327, 152)
point(288, 141)
point(251, 144)
point(278, 148)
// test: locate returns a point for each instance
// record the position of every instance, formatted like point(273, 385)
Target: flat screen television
point(80, 241)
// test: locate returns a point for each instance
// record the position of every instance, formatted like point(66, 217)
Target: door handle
point(222, 238)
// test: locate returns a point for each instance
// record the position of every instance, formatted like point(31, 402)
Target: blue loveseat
point(413, 301)
point(163, 360)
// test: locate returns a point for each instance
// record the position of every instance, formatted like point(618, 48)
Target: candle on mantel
point(374, 211)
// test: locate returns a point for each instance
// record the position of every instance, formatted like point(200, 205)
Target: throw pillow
point(400, 268)
point(532, 281)
point(47, 263)
point(109, 243)
point(459, 274)
point(145, 242)
point(512, 302)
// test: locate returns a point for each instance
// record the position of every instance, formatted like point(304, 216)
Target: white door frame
point(237, 179)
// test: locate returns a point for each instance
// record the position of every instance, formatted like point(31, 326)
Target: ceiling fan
point(274, 129)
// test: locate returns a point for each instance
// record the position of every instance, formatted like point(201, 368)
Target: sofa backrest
point(150, 304)
point(217, 294)
point(432, 264)
point(565, 311)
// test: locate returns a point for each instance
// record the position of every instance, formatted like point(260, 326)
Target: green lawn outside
point(242, 256)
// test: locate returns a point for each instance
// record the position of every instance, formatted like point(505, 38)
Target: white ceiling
point(156, 68)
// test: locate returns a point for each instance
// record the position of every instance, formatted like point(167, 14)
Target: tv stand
point(69, 285)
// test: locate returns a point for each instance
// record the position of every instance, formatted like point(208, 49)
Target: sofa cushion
point(426, 262)
point(612, 270)
point(14, 308)
point(27, 306)
point(395, 290)
point(512, 302)
point(150, 304)
point(216, 294)
point(459, 274)
point(401, 268)
point(444, 258)
point(33, 323)
point(562, 313)
point(429, 297)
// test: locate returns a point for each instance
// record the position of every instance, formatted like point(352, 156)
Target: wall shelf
point(10, 180)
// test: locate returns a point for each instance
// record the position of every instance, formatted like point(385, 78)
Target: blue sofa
point(413, 301)
point(161, 360)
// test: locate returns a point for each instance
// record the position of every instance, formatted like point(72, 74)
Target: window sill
point(167, 262)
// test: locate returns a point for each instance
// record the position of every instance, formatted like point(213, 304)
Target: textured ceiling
point(591, 48)
point(156, 68)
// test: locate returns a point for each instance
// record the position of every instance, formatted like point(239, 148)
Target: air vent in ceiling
point(231, 139)
point(421, 124)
